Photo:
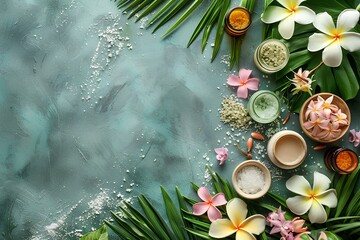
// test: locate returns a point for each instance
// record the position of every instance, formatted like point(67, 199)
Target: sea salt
point(251, 179)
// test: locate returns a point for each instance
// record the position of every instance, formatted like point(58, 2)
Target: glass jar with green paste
point(271, 56)
point(264, 106)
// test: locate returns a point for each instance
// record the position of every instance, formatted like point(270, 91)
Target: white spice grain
point(251, 179)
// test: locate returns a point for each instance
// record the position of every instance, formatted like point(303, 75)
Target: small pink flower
point(298, 224)
point(280, 225)
point(222, 154)
point(331, 131)
point(354, 137)
point(316, 124)
point(327, 105)
point(340, 118)
point(243, 82)
point(313, 109)
point(209, 205)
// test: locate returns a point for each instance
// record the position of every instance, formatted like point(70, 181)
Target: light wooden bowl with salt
point(251, 179)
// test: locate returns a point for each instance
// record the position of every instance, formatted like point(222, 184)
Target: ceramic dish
point(266, 177)
point(336, 101)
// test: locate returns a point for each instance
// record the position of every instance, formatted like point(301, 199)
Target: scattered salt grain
point(251, 179)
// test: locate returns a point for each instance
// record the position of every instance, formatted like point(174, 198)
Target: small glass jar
point(341, 160)
point(264, 106)
point(237, 21)
point(271, 56)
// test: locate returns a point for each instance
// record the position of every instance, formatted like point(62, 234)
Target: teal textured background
point(96, 110)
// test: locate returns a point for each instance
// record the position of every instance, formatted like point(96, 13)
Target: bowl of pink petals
point(325, 117)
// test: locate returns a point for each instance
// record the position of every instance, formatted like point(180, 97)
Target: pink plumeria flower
point(222, 154)
point(354, 137)
point(316, 124)
point(331, 131)
point(313, 109)
point(339, 118)
point(209, 205)
point(243, 82)
point(327, 106)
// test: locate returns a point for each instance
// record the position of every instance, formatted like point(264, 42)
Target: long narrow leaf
point(139, 7)
point(155, 219)
point(183, 207)
point(192, 7)
point(122, 3)
point(202, 22)
point(161, 11)
point(120, 231)
point(171, 14)
point(220, 29)
point(132, 5)
point(201, 234)
point(208, 27)
point(150, 8)
point(174, 216)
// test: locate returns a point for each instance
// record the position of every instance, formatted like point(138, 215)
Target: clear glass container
point(264, 106)
point(271, 56)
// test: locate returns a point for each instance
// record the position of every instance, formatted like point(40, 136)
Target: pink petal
point(253, 84)
point(200, 208)
point(244, 74)
point(323, 236)
point(308, 125)
point(242, 92)
point(221, 150)
point(204, 194)
point(221, 161)
point(352, 135)
point(233, 80)
point(219, 199)
point(213, 213)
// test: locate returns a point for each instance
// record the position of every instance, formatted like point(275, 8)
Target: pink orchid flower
point(243, 82)
point(298, 225)
point(280, 225)
point(222, 154)
point(354, 137)
point(209, 205)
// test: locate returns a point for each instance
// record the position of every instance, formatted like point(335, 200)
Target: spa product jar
point(341, 160)
point(287, 149)
point(271, 56)
point(237, 21)
point(264, 106)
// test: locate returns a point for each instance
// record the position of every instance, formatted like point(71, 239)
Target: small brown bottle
point(341, 160)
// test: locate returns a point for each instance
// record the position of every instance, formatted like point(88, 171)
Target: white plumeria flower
point(311, 199)
point(288, 16)
point(243, 227)
point(333, 38)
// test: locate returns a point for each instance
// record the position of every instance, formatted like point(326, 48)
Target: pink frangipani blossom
point(243, 82)
point(209, 204)
point(221, 154)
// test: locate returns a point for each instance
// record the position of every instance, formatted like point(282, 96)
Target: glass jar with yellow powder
point(237, 21)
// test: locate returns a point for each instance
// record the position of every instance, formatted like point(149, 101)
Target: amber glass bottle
point(341, 160)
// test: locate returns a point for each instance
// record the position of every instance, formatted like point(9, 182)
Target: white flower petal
point(321, 183)
point(328, 198)
point(347, 20)
point(324, 23)
point(318, 41)
point(350, 41)
point(304, 15)
point(286, 27)
point(296, 2)
point(298, 184)
point(317, 213)
point(299, 204)
point(274, 14)
point(286, 3)
point(244, 235)
point(221, 228)
point(332, 55)
point(236, 210)
point(254, 224)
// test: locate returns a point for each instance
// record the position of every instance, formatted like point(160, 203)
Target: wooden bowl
point(336, 101)
point(267, 179)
